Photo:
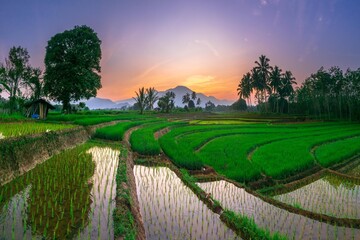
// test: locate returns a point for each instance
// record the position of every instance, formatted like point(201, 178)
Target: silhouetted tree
point(141, 99)
point(151, 97)
point(239, 105)
point(209, 106)
point(72, 64)
point(166, 102)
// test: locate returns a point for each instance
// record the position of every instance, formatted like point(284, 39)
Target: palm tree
point(263, 67)
point(198, 102)
point(186, 98)
point(193, 96)
point(141, 99)
point(245, 87)
point(151, 97)
point(275, 84)
point(287, 89)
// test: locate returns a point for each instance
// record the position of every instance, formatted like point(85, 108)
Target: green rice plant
point(16, 129)
point(124, 223)
point(116, 132)
point(283, 158)
point(248, 227)
point(143, 140)
point(333, 152)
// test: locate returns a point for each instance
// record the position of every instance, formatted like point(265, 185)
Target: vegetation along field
point(164, 120)
point(264, 167)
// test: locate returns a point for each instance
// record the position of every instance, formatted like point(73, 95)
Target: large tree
point(72, 64)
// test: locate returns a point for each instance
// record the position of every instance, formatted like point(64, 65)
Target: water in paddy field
point(170, 210)
point(273, 218)
point(103, 195)
point(65, 197)
point(329, 195)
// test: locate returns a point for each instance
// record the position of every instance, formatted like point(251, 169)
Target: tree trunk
point(66, 107)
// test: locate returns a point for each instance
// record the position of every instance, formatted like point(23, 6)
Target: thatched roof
point(39, 101)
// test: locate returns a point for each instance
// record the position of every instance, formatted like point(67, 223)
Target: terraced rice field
point(71, 195)
point(16, 129)
point(275, 219)
point(170, 210)
point(248, 152)
point(330, 195)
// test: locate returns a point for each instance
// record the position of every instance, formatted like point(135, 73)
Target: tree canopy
point(17, 75)
point(72, 63)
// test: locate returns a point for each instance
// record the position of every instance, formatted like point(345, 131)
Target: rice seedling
point(274, 219)
point(16, 129)
point(59, 194)
point(170, 210)
point(329, 195)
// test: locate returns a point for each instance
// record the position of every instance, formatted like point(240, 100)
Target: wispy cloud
point(152, 68)
point(207, 44)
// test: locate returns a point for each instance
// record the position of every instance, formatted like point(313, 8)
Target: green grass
point(331, 153)
point(143, 140)
point(124, 223)
point(15, 129)
point(284, 158)
point(116, 132)
point(96, 117)
point(248, 227)
point(279, 150)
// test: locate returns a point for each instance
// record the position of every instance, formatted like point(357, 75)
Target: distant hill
point(180, 91)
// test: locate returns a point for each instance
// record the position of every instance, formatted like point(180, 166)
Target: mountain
point(180, 91)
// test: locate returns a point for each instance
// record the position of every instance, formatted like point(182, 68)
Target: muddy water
point(170, 210)
point(273, 218)
point(69, 196)
point(330, 195)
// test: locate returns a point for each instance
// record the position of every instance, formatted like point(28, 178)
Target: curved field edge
point(282, 159)
point(330, 153)
point(143, 140)
point(117, 131)
point(242, 225)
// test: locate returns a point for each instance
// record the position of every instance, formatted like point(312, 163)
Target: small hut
point(38, 108)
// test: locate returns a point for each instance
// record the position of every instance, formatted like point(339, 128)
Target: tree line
point(72, 70)
point(326, 94)
point(330, 94)
point(272, 87)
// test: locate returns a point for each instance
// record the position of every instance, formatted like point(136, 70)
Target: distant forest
point(326, 94)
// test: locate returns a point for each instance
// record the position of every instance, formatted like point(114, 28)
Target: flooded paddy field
point(330, 195)
point(170, 210)
point(274, 219)
point(69, 196)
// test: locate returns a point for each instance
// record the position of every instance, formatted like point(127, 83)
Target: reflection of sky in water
point(12, 211)
point(273, 218)
point(327, 196)
point(170, 210)
point(13, 215)
point(103, 195)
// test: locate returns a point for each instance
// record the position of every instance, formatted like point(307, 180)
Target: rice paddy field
point(69, 196)
point(16, 129)
point(232, 162)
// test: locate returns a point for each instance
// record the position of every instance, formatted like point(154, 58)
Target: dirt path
point(161, 132)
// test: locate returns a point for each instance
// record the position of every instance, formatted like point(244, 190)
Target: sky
point(206, 45)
